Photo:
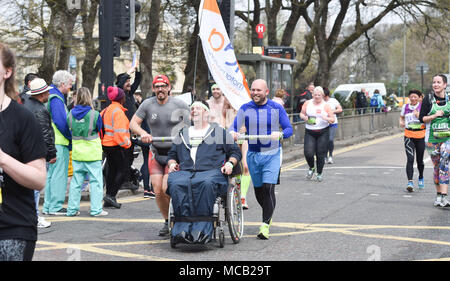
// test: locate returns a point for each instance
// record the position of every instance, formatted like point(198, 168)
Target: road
point(361, 211)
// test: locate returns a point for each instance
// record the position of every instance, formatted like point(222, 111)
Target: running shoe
point(421, 184)
point(244, 203)
point(264, 231)
point(149, 194)
point(310, 173)
point(444, 202)
point(410, 186)
point(165, 230)
point(43, 223)
point(319, 177)
point(330, 160)
point(438, 200)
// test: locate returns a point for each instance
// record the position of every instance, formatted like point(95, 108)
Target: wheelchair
point(227, 213)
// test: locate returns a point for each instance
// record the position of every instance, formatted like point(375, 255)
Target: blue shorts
point(264, 167)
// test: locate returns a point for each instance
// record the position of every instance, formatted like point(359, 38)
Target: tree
point(57, 37)
point(326, 37)
point(91, 65)
point(146, 45)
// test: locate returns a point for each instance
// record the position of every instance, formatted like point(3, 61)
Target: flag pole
point(200, 14)
point(195, 68)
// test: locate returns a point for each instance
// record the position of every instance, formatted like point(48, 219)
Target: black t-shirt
point(20, 138)
point(426, 106)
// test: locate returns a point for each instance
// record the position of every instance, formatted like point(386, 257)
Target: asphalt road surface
point(361, 211)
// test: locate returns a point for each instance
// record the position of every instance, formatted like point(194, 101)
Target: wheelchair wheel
point(221, 238)
point(172, 243)
point(234, 214)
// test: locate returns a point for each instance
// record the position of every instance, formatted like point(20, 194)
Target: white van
point(345, 90)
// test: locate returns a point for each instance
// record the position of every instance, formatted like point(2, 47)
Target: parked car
point(345, 90)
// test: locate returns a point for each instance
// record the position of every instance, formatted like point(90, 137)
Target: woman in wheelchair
point(200, 160)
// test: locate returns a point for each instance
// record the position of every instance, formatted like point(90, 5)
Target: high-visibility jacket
point(86, 144)
point(59, 137)
point(117, 126)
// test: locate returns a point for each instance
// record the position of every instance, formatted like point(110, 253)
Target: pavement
point(290, 155)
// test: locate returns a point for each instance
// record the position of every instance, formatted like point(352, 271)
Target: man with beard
point(165, 116)
point(262, 116)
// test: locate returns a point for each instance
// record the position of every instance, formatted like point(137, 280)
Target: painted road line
point(298, 229)
point(90, 248)
point(345, 149)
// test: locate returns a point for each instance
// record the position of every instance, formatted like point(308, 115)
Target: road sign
point(404, 79)
point(260, 29)
point(422, 67)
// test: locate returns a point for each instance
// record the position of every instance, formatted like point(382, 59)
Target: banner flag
point(219, 54)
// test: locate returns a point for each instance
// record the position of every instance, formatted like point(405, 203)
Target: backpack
point(374, 101)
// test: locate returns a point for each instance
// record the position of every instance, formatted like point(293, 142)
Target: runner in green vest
point(435, 113)
point(85, 124)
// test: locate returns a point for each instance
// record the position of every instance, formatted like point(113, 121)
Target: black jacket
point(130, 102)
point(300, 99)
point(44, 119)
point(212, 153)
point(361, 100)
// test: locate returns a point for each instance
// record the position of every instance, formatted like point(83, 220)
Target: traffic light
point(124, 19)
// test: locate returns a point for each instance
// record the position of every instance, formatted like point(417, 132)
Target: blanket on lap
point(193, 195)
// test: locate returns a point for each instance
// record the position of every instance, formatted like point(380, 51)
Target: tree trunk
point(52, 42)
point(146, 47)
point(91, 66)
point(272, 13)
point(57, 39)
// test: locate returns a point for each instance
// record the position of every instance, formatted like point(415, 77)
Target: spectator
point(22, 168)
point(115, 142)
point(85, 124)
point(56, 186)
point(299, 100)
point(123, 81)
point(361, 102)
point(377, 102)
point(279, 96)
point(26, 87)
point(38, 94)
point(138, 98)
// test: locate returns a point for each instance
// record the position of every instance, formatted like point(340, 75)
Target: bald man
point(262, 116)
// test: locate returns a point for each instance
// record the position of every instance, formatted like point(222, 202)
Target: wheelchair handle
point(255, 137)
point(163, 139)
point(157, 139)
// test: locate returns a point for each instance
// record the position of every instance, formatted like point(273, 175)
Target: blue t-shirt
point(262, 120)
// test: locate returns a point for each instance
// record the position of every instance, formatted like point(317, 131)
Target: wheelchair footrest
point(193, 219)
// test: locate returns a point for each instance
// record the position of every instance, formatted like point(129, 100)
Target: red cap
point(161, 79)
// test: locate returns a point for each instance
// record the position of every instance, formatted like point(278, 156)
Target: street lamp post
point(422, 68)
